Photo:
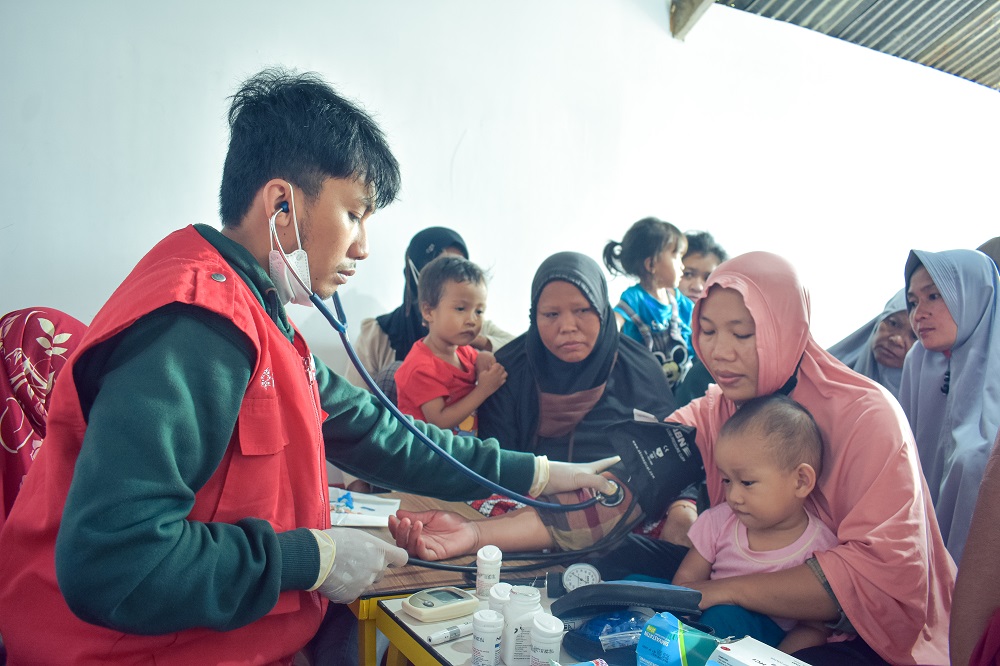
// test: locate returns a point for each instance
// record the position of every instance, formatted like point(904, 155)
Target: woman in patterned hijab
point(34, 346)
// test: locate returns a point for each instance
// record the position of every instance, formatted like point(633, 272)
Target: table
point(407, 645)
point(401, 582)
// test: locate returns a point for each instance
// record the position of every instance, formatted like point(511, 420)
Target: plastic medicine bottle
point(546, 639)
point(519, 614)
point(488, 562)
point(499, 594)
point(487, 628)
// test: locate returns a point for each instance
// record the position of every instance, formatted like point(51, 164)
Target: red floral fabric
point(34, 346)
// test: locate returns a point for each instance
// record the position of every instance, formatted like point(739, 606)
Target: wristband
point(327, 554)
point(541, 476)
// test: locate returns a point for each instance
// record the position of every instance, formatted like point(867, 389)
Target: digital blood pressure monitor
point(440, 603)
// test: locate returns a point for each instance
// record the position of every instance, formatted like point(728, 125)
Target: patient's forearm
point(517, 531)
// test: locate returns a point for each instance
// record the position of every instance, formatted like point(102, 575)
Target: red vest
point(273, 469)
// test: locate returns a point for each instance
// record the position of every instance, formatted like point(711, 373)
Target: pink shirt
point(721, 538)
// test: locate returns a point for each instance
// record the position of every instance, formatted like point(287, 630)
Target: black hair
point(644, 240)
point(446, 268)
point(790, 430)
point(702, 242)
point(911, 267)
point(295, 126)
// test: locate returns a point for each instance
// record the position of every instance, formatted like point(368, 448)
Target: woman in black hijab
point(385, 341)
point(569, 377)
point(572, 373)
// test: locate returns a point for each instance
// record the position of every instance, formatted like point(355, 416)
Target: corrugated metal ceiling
point(961, 37)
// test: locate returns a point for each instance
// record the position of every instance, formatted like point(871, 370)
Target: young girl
point(654, 312)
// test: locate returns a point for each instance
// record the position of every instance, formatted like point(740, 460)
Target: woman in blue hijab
point(951, 378)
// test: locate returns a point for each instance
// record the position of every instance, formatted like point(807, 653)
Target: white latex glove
point(565, 476)
point(360, 560)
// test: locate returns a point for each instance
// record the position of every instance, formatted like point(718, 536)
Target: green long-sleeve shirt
point(161, 401)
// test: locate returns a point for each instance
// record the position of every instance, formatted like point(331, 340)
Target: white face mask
point(281, 265)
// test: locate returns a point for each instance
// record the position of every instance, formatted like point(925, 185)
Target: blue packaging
point(666, 641)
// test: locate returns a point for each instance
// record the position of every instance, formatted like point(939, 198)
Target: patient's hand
point(680, 516)
point(434, 535)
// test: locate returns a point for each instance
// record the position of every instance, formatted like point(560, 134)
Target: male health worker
point(177, 512)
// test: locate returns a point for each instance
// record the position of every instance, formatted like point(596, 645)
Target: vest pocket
point(259, 427)
point(257, 482)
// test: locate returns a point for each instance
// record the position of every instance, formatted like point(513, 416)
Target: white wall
point(528, 126)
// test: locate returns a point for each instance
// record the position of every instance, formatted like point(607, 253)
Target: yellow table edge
point(366, 610)
point(402, 641)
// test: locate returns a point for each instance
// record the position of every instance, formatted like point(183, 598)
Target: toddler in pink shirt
point(769, 455)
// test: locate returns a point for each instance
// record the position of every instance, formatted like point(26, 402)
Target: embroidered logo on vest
point(266, 379)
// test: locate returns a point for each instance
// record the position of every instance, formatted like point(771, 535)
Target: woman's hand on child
point(433, 535)
point(713, 592)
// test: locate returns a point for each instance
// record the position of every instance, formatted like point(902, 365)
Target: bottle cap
point(525, 594)
point(487, 620)
point(547, 626)
point(499, 594)
point(489, 554)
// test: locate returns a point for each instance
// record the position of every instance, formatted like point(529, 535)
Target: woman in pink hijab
point(34, 346)
point(887, 587)
point(890, 580)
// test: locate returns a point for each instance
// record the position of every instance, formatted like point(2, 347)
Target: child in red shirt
point(443, 379)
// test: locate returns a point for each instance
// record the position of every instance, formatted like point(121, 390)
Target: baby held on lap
point(769, 455)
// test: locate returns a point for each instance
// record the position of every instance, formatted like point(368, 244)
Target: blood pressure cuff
point(658, 461)
point(576, 530)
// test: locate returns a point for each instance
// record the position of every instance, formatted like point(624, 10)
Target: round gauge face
point(580, 574)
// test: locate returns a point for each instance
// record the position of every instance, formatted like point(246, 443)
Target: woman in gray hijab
point(877, 349)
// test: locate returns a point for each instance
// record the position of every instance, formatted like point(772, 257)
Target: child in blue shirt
point(653, 311)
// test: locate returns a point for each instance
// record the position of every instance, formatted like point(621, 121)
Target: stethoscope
point(339, 324)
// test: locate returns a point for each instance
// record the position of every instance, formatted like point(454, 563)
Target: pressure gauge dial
point(580, 574)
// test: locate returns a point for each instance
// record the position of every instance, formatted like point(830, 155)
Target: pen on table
point(450, 633)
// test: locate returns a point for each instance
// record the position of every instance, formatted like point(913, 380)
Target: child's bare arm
point(450, 416)
point(693, 569)
point(804, 635)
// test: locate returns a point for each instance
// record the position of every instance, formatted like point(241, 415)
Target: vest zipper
point(310, 369)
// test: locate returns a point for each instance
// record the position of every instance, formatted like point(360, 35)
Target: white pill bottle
point(488, 561)
point(546, 639)
point(524, 604)
point(487, 628)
